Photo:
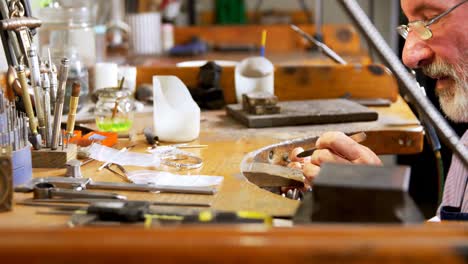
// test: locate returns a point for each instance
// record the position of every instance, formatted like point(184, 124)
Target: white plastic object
point(176, 116)
point(254, 74)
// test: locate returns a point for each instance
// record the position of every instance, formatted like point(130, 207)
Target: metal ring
point(182, 161)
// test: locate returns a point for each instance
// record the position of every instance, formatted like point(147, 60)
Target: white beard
point(455, 106)
point(453, 100)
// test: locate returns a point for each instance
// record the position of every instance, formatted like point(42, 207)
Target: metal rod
point(59, 102)
point(47, 109)
point(324, 48)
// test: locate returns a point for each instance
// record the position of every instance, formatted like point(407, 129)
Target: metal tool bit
point(25, 129)
point(35, 138)
point(324, 48)
point(47, 109)
point(59, 102)
point(46, 190)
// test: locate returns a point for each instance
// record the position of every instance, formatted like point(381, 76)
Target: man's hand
point(334, 147)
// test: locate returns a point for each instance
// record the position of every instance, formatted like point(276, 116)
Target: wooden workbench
point(397, 132)
point(27, 237)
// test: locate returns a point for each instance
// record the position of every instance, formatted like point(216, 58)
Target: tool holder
point(48, 158)
point(22, 166)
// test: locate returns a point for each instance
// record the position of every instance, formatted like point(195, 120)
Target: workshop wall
point(333, 13)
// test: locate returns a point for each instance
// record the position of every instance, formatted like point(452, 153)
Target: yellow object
point(205, 216)
point(264, 35)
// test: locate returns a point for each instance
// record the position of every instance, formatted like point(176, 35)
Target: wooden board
point(305, 112)
point(47, 158)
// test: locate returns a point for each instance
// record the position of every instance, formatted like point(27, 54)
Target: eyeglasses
point(421, 27)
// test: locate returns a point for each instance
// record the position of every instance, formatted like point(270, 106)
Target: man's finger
point(310, 172)
point(344, 146)
point(321, 156)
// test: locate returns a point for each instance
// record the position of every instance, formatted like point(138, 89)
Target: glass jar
point(114, 110)
point(68, 32)
point(65, 28)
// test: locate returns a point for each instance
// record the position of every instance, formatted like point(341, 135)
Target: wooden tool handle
point(74, 99)
point(27, 99)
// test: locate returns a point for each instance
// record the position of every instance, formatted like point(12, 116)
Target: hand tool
point(36, 84)
point(14, 127)
point(12, 39)
point(150, 188)
point(46, 190)
point(57, 206)
point(270, 175)
point(72, 112)
point(22, 26)
point(53, 82)
point(56, 201)
point(59, 182)
point(34, 138)
point(25, 129)
point(324, 48)
point(358, 137)
point(63, 76)
point(123, 175)
point(47, 110)
point(87, 183)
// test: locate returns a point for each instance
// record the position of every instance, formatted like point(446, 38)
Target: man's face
point(444, 57)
